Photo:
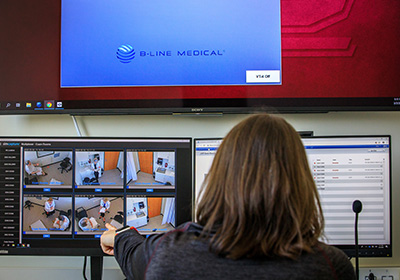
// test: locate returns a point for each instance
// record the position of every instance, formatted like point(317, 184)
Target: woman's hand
point(107, 240)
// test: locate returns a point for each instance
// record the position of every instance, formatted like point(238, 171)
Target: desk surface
point(114, 223)
point(38, 226)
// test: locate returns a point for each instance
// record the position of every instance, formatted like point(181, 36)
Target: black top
point(180, 254)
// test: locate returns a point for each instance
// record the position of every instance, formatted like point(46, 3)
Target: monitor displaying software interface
point(57, 194)
point(345, 169)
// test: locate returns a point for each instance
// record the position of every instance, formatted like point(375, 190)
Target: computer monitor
point(345, 168)
point(57, 194)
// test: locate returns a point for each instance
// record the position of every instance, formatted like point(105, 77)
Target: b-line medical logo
point(126, 53)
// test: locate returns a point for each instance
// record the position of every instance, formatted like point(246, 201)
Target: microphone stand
point(357, 207)
point(357, 253)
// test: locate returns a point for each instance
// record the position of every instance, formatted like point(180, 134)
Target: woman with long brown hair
point(259, 217)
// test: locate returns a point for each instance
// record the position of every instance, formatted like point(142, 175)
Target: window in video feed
point(47, 215)
point(93, 212)
point(150, 214)
point(94, 169)
point(47, 169)
point(151, 169)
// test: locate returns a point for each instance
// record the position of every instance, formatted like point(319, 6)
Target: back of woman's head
point(259, 196)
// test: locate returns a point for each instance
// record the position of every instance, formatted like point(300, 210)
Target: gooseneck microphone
point(357, 208)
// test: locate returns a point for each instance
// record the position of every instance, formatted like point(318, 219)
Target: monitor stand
point(96, 268)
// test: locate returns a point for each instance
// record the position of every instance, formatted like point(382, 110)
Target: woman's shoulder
point(191, 227)
point(184, 246)
point(183, 231)
point(337, 260)
point(186, 228)
point(182, 236)
point(330, 251)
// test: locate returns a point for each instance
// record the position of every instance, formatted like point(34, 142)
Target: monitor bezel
point(349, 250)
point(94, 249)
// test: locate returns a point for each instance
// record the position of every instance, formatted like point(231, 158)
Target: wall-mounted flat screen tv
point(157, 57)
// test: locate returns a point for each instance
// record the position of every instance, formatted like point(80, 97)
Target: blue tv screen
point(170, 43)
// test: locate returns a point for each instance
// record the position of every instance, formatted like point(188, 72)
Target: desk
point(165, 176)
point(63, 225)
point(94, 223)
point(86, 172)
point(38, 226)
point(55, 182)
point(91, 225)
point(136, 219)
point(114, 223)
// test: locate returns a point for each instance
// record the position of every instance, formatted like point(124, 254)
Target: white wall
point(170, 156)
point(86, 202)
point(149, 126)
point(57, 156)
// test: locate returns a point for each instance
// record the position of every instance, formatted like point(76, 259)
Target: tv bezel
point(181, 104)
point(211, 106)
